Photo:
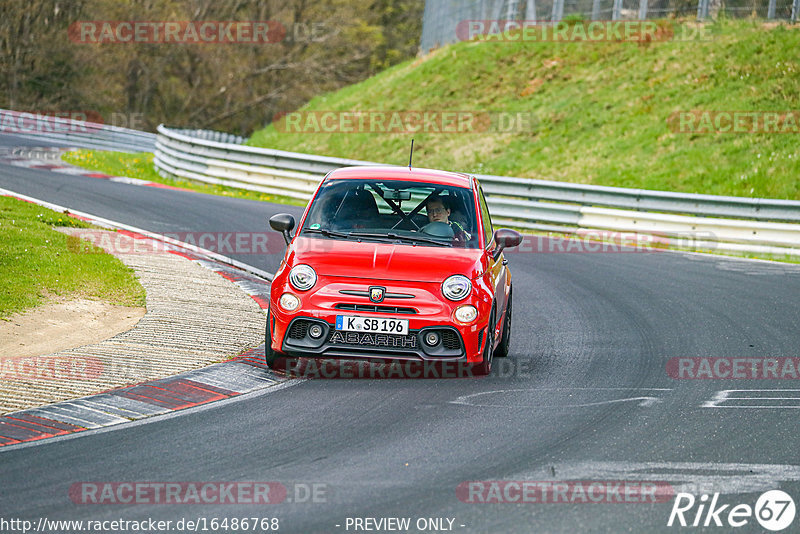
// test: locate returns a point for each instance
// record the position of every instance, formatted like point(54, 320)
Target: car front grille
point(375, 308)
point(450, 340)
point(298, 330)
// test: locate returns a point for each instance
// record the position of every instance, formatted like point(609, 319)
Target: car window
point(394, 210)
point(488, 230)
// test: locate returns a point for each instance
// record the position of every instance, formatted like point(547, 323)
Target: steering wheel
point(438, 229)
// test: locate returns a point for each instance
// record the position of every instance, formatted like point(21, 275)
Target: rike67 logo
point(774, 510)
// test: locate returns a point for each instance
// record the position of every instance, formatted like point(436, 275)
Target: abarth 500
point(392, 263)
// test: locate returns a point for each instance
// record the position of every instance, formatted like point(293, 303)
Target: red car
point(394, 264)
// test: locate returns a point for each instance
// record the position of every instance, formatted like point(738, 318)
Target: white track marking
point(728, 395)
point(645, 401)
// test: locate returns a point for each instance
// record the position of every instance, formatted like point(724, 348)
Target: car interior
point(379, 207)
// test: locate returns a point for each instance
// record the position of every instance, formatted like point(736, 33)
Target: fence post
point(530, 10)
point(511, 10)
point(616, 10)
point(702, 10)
point(795, 9)
point(642, 9)
point(595, 9)
point(558, 10)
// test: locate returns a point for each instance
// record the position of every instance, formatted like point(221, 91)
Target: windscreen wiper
point(326, 232)
point(393, 236)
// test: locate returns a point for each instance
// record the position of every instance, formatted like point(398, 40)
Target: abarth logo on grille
point(376, 294)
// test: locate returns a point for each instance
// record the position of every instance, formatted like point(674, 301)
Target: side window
point(488, 231)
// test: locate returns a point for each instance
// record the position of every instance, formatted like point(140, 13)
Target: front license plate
point(353, 323)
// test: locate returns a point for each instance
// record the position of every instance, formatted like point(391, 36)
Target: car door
point(496, 271)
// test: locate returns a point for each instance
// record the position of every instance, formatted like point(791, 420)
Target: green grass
point(115, 163)
point(141, 166)
point(599, 111)
point(36, 262)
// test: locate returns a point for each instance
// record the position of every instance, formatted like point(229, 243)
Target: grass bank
point(36, 262)
point(599, 112)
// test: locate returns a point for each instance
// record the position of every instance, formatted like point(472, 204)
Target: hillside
point(599, 111)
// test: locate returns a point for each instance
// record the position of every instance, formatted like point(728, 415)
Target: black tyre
point(270, 356)
point(485, 367)
point(505, 340)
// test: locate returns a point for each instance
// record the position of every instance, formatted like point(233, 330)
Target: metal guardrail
point(71, 133)
point(752, 223)
point(220, 158)
point(643, 199)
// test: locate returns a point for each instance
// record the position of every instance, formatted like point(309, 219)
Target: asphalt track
point(585, 396)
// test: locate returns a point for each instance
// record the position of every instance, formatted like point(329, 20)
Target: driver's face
point(437, 212)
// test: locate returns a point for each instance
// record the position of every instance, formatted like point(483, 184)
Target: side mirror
point(505, 238)
point(283, 223)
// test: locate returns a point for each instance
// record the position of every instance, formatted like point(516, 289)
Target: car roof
point(392, 172)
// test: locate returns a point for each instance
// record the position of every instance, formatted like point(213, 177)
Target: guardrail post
point(558, 10)
point(530, 10)
point(702, 10)
point(512, 10)
point(616, 10)
point(595, 9)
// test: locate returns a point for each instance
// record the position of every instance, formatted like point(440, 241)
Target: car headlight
point(466, 313)
point(289, 302)
point(302, 277)
point(457, 287)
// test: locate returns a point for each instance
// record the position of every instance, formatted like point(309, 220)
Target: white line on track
point(645, 401)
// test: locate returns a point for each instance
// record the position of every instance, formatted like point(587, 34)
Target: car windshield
point(396, 211)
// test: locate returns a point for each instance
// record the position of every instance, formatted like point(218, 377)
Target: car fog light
point(466, 314)
point(431, 339)
point(315, 331)
point(289, 302)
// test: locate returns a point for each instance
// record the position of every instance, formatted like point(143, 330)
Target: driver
point(439, 211)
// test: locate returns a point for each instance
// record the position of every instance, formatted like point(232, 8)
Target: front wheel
point(270, 356)
point(505, 340)
point(485, 367)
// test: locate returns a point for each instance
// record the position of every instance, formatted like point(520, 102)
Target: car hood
point(385, 261)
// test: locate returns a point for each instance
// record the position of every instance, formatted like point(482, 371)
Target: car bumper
point(422, 305)
point(292, 335)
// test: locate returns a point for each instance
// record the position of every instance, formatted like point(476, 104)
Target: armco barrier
point(50, 130)
point(764, 225)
